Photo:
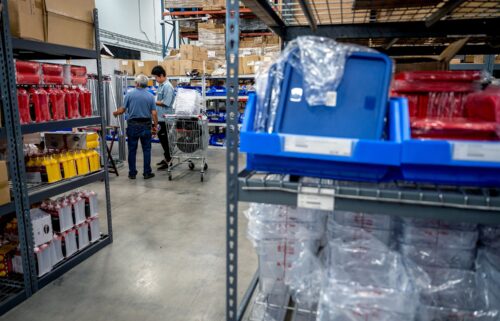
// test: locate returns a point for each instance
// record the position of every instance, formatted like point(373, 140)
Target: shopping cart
point(188, 142)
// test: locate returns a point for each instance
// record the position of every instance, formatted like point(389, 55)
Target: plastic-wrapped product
point(321, 61)
point(270, 306)
point(489, 235)
point(43, 258)
point(430, 313)
point(82, 235)
point(488, 267)
point(438, 224)
point(23, 102)
point(439, 237)
point(434, 256)
point(364, 220)
point(56, 249)
point(69, 243)
point(187, 102)
point(351, 234)
point(56, 100)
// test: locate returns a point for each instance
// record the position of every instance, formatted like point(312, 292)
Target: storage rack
point(12, 292)
point(396, 31)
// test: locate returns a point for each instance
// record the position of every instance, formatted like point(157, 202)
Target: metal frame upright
point(24, 196)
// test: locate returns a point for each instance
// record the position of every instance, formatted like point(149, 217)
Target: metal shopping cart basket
point(188, 141)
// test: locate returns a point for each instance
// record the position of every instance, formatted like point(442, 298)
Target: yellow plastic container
point(53, 169)
point(82, 163)
point(95, 161)
point(68, 164)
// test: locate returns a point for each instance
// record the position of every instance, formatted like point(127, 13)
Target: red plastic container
point(27, 67)
point(484, 105)
point(71, 102)
point(79, 80)
point(78, 71)
point(457, 128)
point(85, 102)
point(52, 69)
point(27, 79)
point(23, 102)
point(39, 105)
point(454, 76)
point(56, 100)
point(53, 80)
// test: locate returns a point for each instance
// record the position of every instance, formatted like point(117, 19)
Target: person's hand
point(116, 113)
point(154, 130)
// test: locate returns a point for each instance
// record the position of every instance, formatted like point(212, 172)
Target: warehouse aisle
point(167, 261)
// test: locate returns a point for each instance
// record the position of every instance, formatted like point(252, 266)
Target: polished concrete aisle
point(167, 261)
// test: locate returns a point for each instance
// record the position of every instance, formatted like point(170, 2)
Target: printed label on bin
point(318, 145)
point(476, 152)
point(316, 201)
point(184, 79)
point(296, 94)
point(331, 99)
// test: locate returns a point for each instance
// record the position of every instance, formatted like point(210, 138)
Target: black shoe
point(163, 162)
point(163, 167)
point(131, 176)
point(148, 176)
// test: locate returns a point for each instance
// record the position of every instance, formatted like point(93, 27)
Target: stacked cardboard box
point(187, 59)
point(212, 37)
point(43, 20)
point(214, 4)
point(184, 3)
point(4, 184)
point(259, 45)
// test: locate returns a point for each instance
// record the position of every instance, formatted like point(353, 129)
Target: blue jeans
point(136, 132)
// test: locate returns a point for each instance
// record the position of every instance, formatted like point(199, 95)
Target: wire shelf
point(10, 286)
point(279, 307)
point(363, 11)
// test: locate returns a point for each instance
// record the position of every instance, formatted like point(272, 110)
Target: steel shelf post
point(232, 138)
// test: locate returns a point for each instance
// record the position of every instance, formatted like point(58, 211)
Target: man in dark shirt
point(140, 107)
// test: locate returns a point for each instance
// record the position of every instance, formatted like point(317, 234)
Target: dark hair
point(158, 71)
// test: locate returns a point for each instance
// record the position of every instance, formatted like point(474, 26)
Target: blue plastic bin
point(319, 156)
point(449, 162)
point(355, 109)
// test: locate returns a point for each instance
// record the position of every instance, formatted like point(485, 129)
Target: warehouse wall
point(122, 16)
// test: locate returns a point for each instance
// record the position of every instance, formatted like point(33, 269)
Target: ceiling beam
point(415, 29)
point(265, 12)
point(306, 9)
point(446, 9)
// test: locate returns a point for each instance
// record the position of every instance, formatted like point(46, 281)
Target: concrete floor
point(167, 261)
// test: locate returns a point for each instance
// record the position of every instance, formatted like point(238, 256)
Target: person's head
point(141, 81)
point(159, 73)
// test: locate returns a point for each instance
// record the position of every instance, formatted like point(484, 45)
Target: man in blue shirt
point(165, 97)
point(140, 108)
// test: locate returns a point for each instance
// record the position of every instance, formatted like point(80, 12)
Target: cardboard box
point(127, 67)
point(171, 67)
point(70, 23)
point(27, 19)
point(249, 64)
point(41, 223)
point(479, 59)
point(201, 54)
point(148, 66)
point(4, 184)
point(188, 52)
point(186, 66)
point(440, 62)
point(66, 140)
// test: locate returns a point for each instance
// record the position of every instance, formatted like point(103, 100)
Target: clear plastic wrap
point(445, 238)
point(438, 224)
point(188, 102)
point(430, 313)
point(364, 220)
point(439, 257)
point(489, 235)
point(488, 267)
point(351, 234)
point(320, 60)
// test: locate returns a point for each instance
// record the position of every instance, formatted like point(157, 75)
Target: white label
point(331, 99)
point(140, 64)
point(124, 62)
point(296, 94)
point(211, 54)
point(318, 145)
point(184, 79)
point(476, 152)
point(316, 201)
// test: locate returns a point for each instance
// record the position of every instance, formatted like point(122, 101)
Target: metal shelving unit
point(14, 291)
point(401, 31)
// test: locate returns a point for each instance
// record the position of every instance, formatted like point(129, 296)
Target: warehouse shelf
point(7, 209)
point(240, 98)
point(57, 125)
point(73, 261)
point(11, 293)
point(472, 204)
point(31, 49)
point(204, 12)
point(472, 67)
point(42, 192)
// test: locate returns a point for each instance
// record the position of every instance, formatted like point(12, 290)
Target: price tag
point(184, 79)
point(481, 152)
point(324, 202)
point(318, 145)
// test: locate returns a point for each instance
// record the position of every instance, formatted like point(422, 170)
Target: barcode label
point(318, 145)
point(481, 152)
point(316, 201)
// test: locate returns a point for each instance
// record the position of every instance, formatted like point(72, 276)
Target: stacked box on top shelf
point(184, 3)
point(212, 37)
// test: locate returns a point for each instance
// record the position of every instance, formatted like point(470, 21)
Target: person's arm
point(161, 102)
point(154, 113)
point(119, 111)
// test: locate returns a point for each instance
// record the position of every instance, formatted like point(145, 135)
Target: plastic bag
point(188, 102)
point(320, 60)
point(446, 238)
point(439, 257)
point(351, 234)
point(490, 235)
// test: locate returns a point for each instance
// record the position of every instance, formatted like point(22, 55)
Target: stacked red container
point(56, 99)
point(440, 107)
point(52, 74)
point(85, 102)
point(78, 75)
point(23, 101)
point(71, 102)
point(39, 105)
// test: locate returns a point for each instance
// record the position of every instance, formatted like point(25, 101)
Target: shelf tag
point(184, 79)
point(318, 145)
point(323, 201)
point(481, 152)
